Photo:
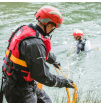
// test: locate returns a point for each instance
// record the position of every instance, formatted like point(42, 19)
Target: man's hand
point(56, 64)
point(68, 84)
point(61, 81)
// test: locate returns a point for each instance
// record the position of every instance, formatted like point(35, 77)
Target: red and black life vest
point(12, 60)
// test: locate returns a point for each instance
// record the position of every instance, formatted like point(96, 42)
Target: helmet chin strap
point(51, 31)
point(45, 30)
point(78, 38)
point(47, 34)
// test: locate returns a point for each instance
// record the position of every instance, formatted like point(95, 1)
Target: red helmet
point(78, 33)
point(49, 14)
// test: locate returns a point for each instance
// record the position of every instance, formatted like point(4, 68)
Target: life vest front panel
point(20, 35)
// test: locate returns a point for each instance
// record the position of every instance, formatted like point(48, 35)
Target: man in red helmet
point(26, 56)
point(83, 44)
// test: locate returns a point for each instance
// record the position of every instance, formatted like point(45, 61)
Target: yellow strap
point(16, 60)
point(22, 63)
point(75, 89)
point(95, 48)
point(56, 70)
point(68, 95)
point(40, 86)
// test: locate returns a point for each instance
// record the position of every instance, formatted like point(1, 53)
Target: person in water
point(83, 44)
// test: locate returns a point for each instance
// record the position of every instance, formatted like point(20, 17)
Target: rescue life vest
point(86, 45)
point(12, 62)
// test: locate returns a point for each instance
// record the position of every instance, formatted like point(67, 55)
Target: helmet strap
point(79, 39)
point(45, 30)
point(47, 34)
point(51, 31)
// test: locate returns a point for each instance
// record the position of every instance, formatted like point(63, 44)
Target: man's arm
point(51, 58)
point(35, 57)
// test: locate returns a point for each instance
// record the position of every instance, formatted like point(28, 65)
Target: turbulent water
point(84, 69)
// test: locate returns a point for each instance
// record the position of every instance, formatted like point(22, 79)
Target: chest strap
point(16, 60)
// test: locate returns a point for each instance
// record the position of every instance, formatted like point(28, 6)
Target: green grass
point(87, 97)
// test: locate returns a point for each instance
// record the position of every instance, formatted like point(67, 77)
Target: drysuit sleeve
point(79, 47)
point(51, 58)
point(34, 53)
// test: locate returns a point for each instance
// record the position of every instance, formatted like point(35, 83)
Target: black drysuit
point(80, 46)
point(33, 51)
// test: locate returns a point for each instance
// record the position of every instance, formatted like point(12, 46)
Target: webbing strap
point(40, 86)
point(13, 35)
point(75, 89)
point(16, 60)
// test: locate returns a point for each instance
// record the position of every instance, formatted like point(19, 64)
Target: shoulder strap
point(83, 41)
point(37, 32)
point(14, 34)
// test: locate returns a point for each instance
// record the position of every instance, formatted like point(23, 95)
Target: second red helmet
point(48, 14)
point(78, 33)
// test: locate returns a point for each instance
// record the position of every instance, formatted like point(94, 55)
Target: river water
point(84, 69)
